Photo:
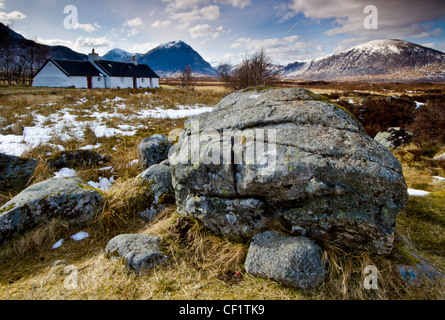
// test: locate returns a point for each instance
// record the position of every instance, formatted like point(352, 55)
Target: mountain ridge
point(383, 59)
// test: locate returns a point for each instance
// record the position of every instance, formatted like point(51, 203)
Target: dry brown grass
point(201, 265)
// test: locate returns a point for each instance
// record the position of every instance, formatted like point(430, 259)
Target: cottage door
point(135, 83)
point(90, 83)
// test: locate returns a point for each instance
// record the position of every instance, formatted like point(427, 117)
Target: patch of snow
point(132, 162)
point(106, 169)
point(103, 131)
point(254, 96)
point(437, 178)
point(104, 184)
point(91, 147)
point(12, 145)
point(80, 236)
point(65, 173)
point(58, 244)
point(419, 104)
point(160, 113)
point(417, 193)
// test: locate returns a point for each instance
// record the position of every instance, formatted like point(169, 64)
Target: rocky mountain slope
point(386, 59)
point(167, 60)
point(171, 58)
point(118, 55)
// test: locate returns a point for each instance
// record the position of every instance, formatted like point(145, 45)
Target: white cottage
point(95, 73)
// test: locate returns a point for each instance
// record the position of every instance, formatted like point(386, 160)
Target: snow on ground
point(80, 236)
point(65, 173)
point(419, 104)
point(417, 193)
point(65, 125)
point(181, 112)
point(104, 184)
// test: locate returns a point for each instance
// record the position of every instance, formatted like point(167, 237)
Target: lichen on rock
point(323, 177)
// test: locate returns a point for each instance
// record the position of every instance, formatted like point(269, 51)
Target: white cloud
point(281, 50)
point(135, 23)
point(175, 5)
point(143, 47)
point(236, 3)
point(54, 42)
point(88, 27)
point(10, 17)
point(161, 24)
point(209, 13)
point(425, 34)
point(82, 42)
point(397, 18)
point(206, 31)
point(135, 26)
point(292, 38)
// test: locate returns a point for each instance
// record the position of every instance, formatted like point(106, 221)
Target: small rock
point(394, 137)
point(292, 261)
point(77, 159)
point(413, 275)
point(153, 150)
point(15, 172)
point(67, 198)
point(139, 251)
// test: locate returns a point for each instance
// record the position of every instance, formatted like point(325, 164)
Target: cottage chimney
point(93, 56)
point(134, 60)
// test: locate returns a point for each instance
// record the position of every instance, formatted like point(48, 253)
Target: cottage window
point(98, 78)
point(143, 80)
point(122, 79)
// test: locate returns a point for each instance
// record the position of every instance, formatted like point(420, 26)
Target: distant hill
point(385, 60)
point(171, 58)
point(118, 55)
point(19, 44)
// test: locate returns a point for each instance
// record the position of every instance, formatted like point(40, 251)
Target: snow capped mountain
point(167, 60)
point(171, 58)
point(118, 55)
point(386, 59)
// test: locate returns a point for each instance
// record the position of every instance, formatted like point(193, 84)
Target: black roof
point(121, 69)
point(77, 68)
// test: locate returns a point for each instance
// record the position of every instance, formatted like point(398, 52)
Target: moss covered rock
point(153, 150)
point(15, 172)
point(66, 198)
point(308, 162)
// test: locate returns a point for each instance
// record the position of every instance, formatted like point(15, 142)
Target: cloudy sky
point(225, 30)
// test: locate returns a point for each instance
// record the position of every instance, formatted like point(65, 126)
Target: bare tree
point(186, 78)
point(253, 71)
point(37, 55)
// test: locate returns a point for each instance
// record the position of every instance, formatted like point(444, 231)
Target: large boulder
point(15, 172)
point(320, 175)
point(293, 261)
point(139, 251)
point(394, 137)
point(153, 150)
point(67, 198)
